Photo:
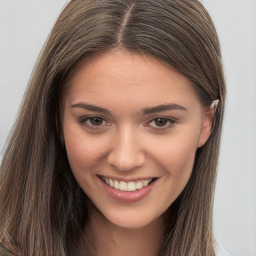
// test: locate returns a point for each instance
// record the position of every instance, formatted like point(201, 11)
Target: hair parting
point(43, 209)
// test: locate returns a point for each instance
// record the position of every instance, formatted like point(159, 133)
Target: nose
point(126, 153)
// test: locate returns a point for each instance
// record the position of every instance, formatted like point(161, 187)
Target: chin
point(131, 221)
point(131, 224)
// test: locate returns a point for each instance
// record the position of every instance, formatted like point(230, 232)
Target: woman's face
point(131, 127)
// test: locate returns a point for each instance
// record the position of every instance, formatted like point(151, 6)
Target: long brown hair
point(43, 210)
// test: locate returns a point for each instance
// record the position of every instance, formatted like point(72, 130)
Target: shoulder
point(4, 251)
point(221, 251)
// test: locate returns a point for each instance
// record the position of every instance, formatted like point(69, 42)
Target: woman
point(116, 145)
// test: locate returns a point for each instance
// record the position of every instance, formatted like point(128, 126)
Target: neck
point(112, 240)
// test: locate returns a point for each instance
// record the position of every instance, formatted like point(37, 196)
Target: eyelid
point(82, 120)
point(171, 121)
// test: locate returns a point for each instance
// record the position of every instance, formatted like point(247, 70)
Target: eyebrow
point(91, 108)
point(145, 111)
point(164, 107)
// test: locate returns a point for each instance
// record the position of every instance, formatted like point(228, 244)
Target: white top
point(221, 251)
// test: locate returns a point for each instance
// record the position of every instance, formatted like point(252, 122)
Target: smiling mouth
point(130, 186)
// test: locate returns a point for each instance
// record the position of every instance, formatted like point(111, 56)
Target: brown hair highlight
point(43, 209)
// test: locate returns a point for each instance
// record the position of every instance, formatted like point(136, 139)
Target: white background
point(24, 26)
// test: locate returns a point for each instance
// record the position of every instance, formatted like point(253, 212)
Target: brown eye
point(95, 120)
point(160, 122)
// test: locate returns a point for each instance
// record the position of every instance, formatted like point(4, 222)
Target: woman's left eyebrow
point(161, 108)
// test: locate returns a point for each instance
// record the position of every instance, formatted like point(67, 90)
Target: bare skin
point(129, 118)
point(112, 240)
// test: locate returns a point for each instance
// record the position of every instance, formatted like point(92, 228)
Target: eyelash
point(169, 123)
point(85, 119)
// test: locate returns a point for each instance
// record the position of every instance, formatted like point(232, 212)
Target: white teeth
point(145, 182)
point(131, 186)
point(122, 185)
point(126, 186)
point(111, 183)
point(116, 184)
point(139, 185)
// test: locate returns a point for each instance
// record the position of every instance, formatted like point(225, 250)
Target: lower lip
point(128, 197)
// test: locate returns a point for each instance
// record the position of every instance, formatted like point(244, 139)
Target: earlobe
point(208, 122)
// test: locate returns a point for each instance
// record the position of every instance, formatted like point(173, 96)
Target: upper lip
point(127, 179)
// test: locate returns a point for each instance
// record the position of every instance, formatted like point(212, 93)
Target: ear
point(207, 126)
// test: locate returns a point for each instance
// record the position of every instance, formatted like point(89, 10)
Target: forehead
point(121, 75)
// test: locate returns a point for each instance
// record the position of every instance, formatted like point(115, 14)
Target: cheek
point(184, 155)
point(84, 156)
point(177, 155)
point(83, 152)
point(174, 161)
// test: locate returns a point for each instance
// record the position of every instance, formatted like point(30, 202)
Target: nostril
point(126, 162)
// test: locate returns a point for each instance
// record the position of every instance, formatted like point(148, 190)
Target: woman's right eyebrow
point(91, 108)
